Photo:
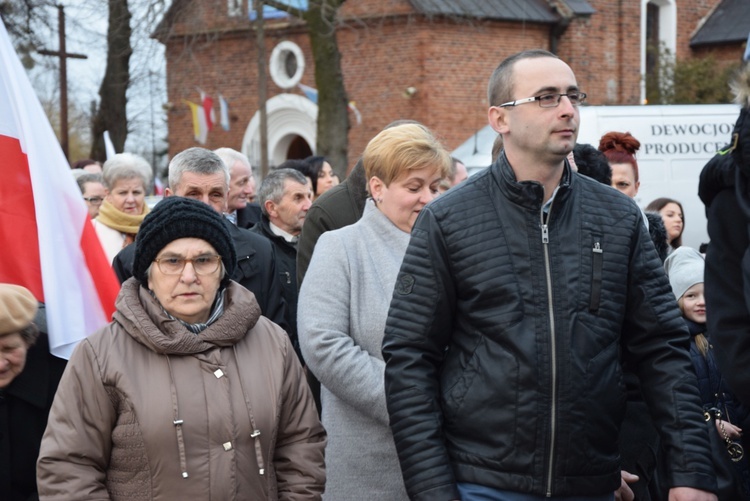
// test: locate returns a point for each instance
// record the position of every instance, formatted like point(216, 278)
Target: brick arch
point(289, 116)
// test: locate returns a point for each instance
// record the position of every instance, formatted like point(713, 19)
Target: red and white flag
point(47, 242)
point(208, 109)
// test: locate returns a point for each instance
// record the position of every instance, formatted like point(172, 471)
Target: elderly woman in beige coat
point(189, 393)
point(343, 306)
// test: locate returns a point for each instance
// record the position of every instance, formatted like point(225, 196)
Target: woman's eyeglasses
point(203, 265)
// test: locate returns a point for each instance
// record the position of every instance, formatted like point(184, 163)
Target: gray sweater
point(343, 306)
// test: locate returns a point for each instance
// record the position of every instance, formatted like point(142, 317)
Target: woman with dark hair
point(673, 217)
point(321, 174)
point(189, 393)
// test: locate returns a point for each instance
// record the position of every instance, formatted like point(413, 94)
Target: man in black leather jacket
point(521, 294)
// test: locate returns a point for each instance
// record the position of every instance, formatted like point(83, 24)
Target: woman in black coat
point(28, 380)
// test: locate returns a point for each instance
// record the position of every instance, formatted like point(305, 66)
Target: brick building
point(427, 60)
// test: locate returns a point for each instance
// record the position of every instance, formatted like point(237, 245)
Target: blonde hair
point(402, 148)
point(701, 342)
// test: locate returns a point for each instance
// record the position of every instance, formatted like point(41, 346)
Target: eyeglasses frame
point(525, 100)
point(185, 262)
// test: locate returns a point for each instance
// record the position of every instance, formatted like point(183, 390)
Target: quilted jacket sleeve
point(76, 446)
point(656, 343)
point(417, 331)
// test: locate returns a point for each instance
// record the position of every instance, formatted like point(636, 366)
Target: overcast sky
point(86, 28)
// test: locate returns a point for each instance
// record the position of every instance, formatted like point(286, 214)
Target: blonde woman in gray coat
point(343, 306)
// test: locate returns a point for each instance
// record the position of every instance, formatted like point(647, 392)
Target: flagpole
point(262, 91)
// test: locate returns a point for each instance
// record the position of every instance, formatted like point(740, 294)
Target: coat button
point(228, 446)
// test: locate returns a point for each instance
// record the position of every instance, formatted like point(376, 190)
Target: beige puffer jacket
point(146, 410)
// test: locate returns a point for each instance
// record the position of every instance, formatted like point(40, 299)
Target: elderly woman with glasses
point(189, 393)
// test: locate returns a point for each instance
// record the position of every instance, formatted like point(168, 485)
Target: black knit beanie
point(178, 217)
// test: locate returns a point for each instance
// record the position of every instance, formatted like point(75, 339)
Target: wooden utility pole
point(63, 55)
point(262, 87)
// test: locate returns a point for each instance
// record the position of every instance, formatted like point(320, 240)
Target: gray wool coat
point(343, 306)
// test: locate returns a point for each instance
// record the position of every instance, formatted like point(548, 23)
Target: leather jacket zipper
point(553, 348)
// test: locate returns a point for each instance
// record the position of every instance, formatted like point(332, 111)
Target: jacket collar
point(265, 226)
point(142, 317)
point(529, 194)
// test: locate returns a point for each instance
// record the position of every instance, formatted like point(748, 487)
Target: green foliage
point(692, 81)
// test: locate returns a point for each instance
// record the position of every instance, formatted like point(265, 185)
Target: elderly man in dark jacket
point(285, 199)
point(521, 294)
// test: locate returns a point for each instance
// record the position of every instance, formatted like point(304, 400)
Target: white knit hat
point(684, 267)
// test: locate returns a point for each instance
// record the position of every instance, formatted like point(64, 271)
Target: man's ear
point(270, 208)
point(498, 119)
point(168, 192)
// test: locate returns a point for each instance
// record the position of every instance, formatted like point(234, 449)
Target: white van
point(676, 142)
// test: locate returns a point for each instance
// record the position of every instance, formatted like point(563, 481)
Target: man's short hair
point(500, 88)
point(198, 161)
point(88, 177)
point(126, 166)
point(404, 147)
point(272, 187)
point(231, 157)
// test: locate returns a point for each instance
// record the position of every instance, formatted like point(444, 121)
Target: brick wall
point(604, 52)
point(724, 53)
point(387, 48)
point(689, 14)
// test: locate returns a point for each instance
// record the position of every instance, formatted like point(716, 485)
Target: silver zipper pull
point(545, 234)
point(597, 248)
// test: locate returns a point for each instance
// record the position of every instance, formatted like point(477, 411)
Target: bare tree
point(111, 114)
point(22, 18)
point(333, 104)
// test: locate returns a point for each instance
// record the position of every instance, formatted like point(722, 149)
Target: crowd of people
point(522, 334)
